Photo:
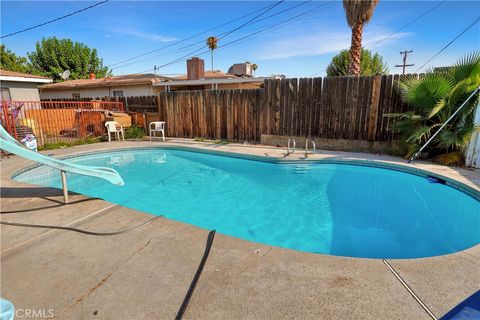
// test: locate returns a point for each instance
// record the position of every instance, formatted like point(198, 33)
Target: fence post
point(373, 115)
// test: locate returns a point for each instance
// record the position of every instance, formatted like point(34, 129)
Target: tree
point(53, 56)
point(212, 43)
point(10, 61)
point(369, 64)
point(434, 98)
point(358, 13)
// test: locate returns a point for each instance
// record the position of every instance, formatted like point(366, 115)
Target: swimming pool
point(336, 209)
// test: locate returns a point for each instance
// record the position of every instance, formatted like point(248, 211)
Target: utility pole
point(155, 71)
point(404, 65)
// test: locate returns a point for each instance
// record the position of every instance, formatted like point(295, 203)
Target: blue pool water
point(334, 209)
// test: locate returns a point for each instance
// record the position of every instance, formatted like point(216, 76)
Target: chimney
point(92, 76)
point(195, 69)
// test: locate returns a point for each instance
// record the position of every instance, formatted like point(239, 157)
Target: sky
point(299, 42)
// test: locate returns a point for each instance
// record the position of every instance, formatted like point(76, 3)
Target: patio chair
point(116, 128)
point(157, 126)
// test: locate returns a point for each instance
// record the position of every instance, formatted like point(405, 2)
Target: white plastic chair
point(157, 126)
point(116, 128)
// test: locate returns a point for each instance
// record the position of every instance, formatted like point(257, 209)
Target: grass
point(63, 144)
point(199, 139)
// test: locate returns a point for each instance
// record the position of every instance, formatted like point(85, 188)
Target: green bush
point(134, 132)
point(434, 98)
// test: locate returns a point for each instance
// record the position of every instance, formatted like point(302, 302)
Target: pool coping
point(451, 182)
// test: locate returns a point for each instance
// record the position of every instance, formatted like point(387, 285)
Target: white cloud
point(142, 35)
point(150, 36)
point(321, 42)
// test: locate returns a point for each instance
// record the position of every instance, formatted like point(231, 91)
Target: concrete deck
point(144, 274)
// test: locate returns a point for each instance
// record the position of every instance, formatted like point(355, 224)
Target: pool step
point(301, 169)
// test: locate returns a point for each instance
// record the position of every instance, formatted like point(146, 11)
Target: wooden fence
point(335, 108)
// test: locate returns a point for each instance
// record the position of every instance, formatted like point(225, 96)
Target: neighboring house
point(115, 86)
point(149, 84)
point(20, 86)
point(199, 79)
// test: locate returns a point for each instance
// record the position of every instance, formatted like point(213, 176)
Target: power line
point(450, 43)
point(54, 20)
point(408, 24)
point(251, 22)
point(190, 37)
point(276, 25)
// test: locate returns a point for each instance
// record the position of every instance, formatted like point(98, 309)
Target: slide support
point(64, 186)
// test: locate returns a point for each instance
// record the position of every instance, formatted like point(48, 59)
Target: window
point(5, 94)
point(76, 95)
point(118, 93)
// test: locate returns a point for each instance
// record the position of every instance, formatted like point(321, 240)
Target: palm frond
point(411, 115)
point(411, 150)
point(425, 93)
point(449, 159)
point(466, 67)
point(454, 139)
point(438, 107)
point(420, 134)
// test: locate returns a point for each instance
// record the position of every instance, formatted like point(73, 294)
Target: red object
point(92, 76)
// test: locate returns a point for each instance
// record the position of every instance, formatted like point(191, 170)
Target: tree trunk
point(212, 58)
point(356, 49)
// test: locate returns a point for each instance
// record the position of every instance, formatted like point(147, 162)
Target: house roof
point(211, 74)
point(8, 75)
point(212, 81)
point(124, 80)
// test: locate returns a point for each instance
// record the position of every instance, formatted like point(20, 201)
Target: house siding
point(22, 91)
point(99, 92)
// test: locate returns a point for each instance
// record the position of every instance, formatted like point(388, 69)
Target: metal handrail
point(443, 125)
point(288, 146)
point(306, 147)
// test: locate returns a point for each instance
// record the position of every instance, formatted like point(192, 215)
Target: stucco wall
point(25, 91)
point(136, 90)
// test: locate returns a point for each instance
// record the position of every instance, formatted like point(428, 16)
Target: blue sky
point(303, 46)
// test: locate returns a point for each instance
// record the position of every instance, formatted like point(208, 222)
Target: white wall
point(98, 92)
point(23, 91)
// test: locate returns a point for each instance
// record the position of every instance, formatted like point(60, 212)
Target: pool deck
point(145, 274)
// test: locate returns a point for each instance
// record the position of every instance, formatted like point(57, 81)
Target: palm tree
point(434, 98)
point(212, 45)
point(358, 12)
point(254, 68)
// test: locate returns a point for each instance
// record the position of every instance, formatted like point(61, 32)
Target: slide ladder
point(8, 143)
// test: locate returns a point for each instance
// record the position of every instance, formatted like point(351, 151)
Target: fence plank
point(374, 105)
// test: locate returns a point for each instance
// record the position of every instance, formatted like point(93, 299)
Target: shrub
point(134, 132)
point(434, 98)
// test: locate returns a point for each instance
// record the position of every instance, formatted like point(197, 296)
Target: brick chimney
point(195, 69)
